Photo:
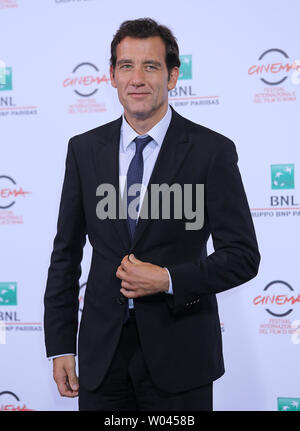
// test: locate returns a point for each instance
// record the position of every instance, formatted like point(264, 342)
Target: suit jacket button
point(121, 299)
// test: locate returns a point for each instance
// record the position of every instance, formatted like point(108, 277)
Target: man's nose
point(137, 77)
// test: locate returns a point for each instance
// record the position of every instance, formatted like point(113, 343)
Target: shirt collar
point(157, 132)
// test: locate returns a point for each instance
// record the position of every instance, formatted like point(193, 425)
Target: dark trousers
point(127, 384)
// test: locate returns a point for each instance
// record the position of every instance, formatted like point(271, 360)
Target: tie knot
point(141, 143)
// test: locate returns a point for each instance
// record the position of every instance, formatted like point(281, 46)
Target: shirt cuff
point(58, 356)
point(170, 291)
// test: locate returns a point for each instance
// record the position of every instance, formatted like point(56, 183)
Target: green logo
point(288, 404)
point(8, 293)
point(185, 71)
point(282, 176)
point(5, 78)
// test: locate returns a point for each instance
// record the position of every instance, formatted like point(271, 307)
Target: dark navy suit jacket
point(180, 334)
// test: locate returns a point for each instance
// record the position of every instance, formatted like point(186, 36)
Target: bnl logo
point(5, 77)
point(288, 404)
point(185, 71)
point(8, 293)
point(282, 177)
point(8, 296)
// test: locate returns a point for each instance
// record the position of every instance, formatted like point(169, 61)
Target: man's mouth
point(138, 95)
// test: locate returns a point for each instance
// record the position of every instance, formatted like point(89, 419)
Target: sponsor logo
point(270, 69)
point(282, 176)
point(9, 318)
point(273, 69)
point(9, 401)
point(8, 105)
point(288, 404)
point(5, 78)
point(185, 71)
point(277, 299)
point(85, 81)
point(8, 293)
point(184, 94)
point(10, 193)
point(280, 204)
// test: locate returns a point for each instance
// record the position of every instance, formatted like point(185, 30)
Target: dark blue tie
point(135, 175)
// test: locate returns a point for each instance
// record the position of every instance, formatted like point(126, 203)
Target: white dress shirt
point(150, 153)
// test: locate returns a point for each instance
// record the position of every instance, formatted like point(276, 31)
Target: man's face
point(141, 76)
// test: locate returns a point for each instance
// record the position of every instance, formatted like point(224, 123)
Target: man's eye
point(150, 67)
point(125, 66)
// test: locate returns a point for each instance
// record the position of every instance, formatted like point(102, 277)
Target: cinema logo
point(273, 69)
point(279, 300)
point(10, 194)
point(10, 402)
point(184, 94)
point(8, 105)
point(85, 81)
point(279, 303)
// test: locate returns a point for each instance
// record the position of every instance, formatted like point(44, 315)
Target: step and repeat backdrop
point(240, 76)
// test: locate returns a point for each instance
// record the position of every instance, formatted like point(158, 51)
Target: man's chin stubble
point(144, 115)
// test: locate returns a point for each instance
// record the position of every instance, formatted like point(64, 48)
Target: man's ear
point(112, 77)
point(174, 74)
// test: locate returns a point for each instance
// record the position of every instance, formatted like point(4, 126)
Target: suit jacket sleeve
point(62, 289)
point(236, 258)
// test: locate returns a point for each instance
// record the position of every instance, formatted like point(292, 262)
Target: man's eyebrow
point(126, 61)
point(154, 62)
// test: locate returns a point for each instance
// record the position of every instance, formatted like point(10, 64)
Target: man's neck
point(143, 125)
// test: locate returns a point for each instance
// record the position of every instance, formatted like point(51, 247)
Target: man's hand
point(141, 278)
point(65, 376)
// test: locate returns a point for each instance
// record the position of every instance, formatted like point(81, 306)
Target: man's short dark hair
point(146, 27)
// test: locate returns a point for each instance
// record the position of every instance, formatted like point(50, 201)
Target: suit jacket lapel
point(106, 158)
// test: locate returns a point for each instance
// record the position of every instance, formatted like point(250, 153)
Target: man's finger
point(130, 293)
point(126, 285)
point(122, 275)
point(125, 259)
point(125, 264)
point(72, 379)
point(133, 259)
point(64, 388)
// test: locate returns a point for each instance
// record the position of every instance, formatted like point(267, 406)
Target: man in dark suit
point(149, 335)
